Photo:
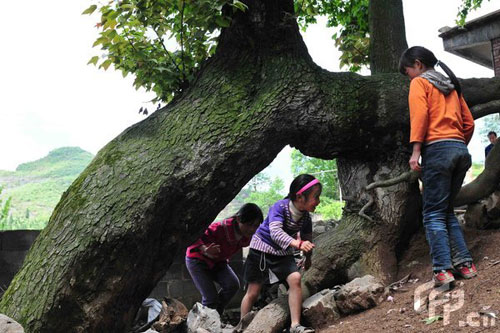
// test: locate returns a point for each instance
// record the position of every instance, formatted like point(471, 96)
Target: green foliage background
point(265, 191)
point(326, 172)
point(34, 189)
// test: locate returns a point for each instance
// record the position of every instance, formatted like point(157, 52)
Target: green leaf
point(127, 6)
point(431, 320)
point(89, 10)
point(223, 22)
point(106, 64)
point(93, 60)
point(239, 5)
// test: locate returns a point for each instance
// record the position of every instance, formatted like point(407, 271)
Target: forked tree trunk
point(155, 187)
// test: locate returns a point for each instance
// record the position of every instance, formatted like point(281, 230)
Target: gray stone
point(204, 318)
point(272, 318)
point(358, 295)
point(475, 216)
point(244, 322)
point(493, 206)
point(8, 325)
point(320, 310)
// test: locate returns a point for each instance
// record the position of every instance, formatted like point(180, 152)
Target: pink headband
point(308, 185)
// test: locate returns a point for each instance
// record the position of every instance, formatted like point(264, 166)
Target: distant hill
point(36, 187)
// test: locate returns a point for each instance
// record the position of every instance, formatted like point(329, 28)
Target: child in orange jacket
point(441, 127)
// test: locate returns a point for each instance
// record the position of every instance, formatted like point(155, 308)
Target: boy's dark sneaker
point(466, 271)
point(443, 277)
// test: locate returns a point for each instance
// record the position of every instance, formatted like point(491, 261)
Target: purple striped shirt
point(279, 229)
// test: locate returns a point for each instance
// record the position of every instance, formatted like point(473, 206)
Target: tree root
point(409, 176)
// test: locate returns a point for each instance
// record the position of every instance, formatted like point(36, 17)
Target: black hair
point(250, 213)
point(492, 132)
point(427, 58)
point(299, 182)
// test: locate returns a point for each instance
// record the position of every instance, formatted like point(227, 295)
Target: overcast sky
point(50, 98)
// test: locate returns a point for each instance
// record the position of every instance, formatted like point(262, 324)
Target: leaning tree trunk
point(156, 186)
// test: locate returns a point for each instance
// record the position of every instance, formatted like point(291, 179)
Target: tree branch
point(485, 109)
point(166, 51)
point(485, 183)
point(182, 41)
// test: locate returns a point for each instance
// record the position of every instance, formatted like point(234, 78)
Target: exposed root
point(409, 176)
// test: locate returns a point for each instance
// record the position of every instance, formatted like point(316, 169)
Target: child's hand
point(306, 246)
point(414, 165)
point(415, 156)
point(211, 251)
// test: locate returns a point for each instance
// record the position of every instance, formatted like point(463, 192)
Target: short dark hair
point(299, 182)
point(492, 132)
point(250, 213)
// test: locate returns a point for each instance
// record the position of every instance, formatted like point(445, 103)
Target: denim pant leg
point(459, 251)
point(436, 177)
point(203, 279)
point(229, 283)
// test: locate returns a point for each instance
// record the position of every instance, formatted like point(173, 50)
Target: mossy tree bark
point(387, 35)
point(155, 187)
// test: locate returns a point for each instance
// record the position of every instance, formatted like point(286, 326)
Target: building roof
point(473, 40)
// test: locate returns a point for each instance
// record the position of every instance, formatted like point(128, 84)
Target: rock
point(201, 330)
point(244, 322)
point(320, 310)
point(493, 206)
point(8, 325)
point(173, 315)
point(272, 318)
point(358, 295)
point(475, 216)
point(203, 318)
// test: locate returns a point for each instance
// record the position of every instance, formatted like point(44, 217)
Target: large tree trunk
point(387, 35)
point(155, 187)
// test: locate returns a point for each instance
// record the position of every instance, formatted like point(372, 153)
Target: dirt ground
point(479, 294)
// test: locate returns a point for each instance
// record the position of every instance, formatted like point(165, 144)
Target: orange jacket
point(434, 116)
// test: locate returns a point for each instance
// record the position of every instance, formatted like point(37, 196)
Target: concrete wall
point(177, 283)
point(14, 246)
point(495, 50)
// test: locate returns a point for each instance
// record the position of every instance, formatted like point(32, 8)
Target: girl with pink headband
point(287, 228)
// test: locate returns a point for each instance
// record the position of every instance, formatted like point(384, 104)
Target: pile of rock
point(324, 308)
point(322, 226)
point(484, 214)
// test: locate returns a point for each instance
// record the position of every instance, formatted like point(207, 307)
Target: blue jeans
point(444, 165)
point(204, 279)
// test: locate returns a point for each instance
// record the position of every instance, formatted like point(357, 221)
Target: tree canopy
point(163, 43)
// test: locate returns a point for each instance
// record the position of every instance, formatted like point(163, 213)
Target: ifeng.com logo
point(445, 300)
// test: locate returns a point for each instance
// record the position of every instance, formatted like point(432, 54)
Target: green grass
point(36, 187)
point(477, 168)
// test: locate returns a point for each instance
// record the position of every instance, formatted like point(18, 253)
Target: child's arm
point(210, 245)
point(467, 120)
point(419, 111)
point(278, 235)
